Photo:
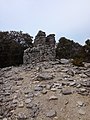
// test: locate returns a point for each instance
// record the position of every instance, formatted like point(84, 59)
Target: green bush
point(78, 62)
point(67, 48)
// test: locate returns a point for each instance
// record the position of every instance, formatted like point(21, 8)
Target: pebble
point(72, 83)
point(53, 89)
point(53, 97)
point(28, 100)
point(51, 113)
point(21, 116)
point(26, 91)
point(15, 101)
point(44, 91)
point(81, 112)
point(29, 105)
point(66, 92)
point(78, 86)
point(80, 103)
point(29, 95)
point(48, 87)
point(83, 75)
point(15, 96)
point(44, 76)
point(37, 88)
point(82, 89)
point(21, 104)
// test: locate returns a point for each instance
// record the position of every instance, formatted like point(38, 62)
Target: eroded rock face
point(43, 50)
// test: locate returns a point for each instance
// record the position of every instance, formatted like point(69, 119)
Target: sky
point(64, 18)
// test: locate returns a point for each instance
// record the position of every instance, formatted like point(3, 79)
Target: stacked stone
point(43, 50)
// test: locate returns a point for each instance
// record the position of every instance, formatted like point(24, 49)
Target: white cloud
point(63, 17)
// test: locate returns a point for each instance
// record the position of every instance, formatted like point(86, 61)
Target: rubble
point(44, 94)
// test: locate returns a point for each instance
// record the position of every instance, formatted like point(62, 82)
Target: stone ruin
point(43, 49)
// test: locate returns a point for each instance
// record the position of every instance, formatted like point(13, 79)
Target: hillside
point(42, 80)
point(47, 91)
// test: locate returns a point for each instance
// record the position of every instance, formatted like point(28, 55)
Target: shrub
point(78, 62)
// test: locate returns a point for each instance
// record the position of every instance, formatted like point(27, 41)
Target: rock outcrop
point(43, 50)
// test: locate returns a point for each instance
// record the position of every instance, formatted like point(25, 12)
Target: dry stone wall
point(43, 50)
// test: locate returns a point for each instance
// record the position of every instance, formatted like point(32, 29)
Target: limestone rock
point(66, 92)
point(21, 116)
point(44, 76)
point(64, 61)
point(81, 112)
point(21, 104)
point(38, 88)
point(51, 113)
point(28, 100)
point(53, 97)
point(43, 50)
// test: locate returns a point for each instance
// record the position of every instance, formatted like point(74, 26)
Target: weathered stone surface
point(21, 116)
point(44, 76)
point(80, 103)
point(43, 50)
point(38, 88)
point(86, 83)
point(35, 111)
point(87, 65)
point(21, 104)
point(29, 95)
point(88, 73)
point(66, 92)
point(44, 91)
point(64, 61)
point(28, 100)
point(51, 113)
point(53, 97)
point(81, 112)
point(72, 83)
point(29, 105)
point(53, 89)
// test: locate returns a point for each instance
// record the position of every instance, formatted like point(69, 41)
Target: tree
point(67, 48)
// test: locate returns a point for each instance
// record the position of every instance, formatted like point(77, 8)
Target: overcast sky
point(69, 18)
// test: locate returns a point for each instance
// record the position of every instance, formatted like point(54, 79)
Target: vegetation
point(13, 44)
point(78, 62)
point(70, 50)
point(67, 48)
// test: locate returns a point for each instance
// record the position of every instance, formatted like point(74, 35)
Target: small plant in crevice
point(78, 62)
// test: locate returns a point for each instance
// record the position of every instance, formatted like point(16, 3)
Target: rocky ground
point(47, 91)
